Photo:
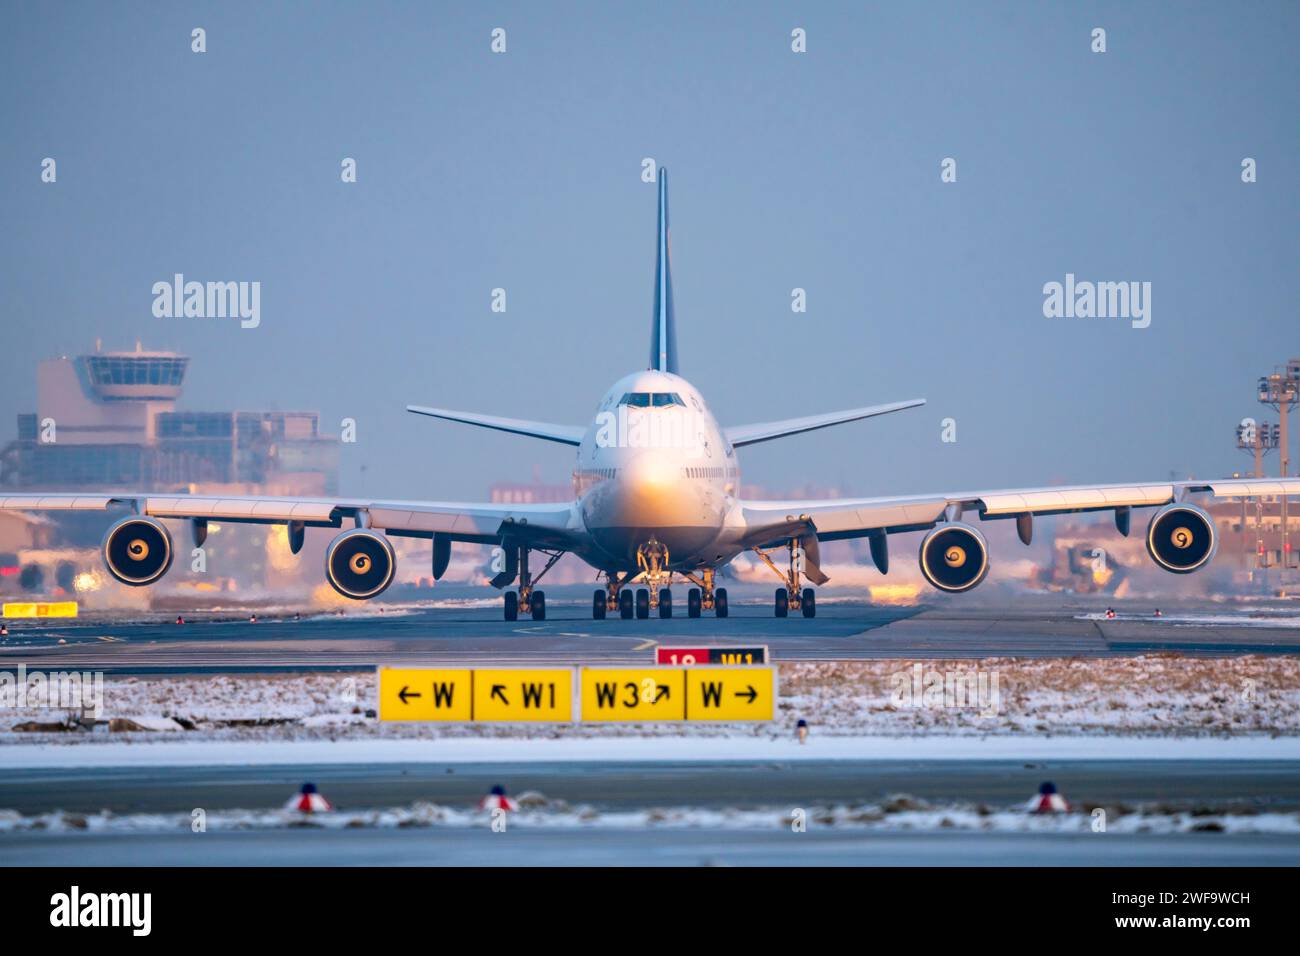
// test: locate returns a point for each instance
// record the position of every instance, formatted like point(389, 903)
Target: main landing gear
point(620, 596)
point(704, 596)
point(793, 596)
point(527, 599)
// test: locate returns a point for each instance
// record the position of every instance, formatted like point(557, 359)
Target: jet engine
point(1181, 538)
point(360, 564)
point(954, 557)
point(137, 551)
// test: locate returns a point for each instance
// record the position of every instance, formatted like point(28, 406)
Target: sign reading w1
point(690, 656)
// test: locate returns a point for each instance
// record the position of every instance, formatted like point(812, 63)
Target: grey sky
point(818, 170)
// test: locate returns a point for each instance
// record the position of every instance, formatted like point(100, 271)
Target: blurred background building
point(109, 420)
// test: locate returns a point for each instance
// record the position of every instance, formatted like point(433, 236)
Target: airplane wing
point(564, 434)
point(544, 525)
point(768, 523)
point(741, 435)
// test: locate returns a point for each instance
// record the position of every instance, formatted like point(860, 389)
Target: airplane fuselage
point(654, 466)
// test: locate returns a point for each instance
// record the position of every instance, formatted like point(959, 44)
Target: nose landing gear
point(652, 562)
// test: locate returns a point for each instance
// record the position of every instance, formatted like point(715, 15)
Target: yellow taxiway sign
point(633, 694)
point(519, 694)
point(425, 694)
point(41, 609)
point(730, 693)
point(605, 694)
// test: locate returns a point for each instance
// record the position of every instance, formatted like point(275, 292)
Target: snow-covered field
point(898, 812)
point(1154, 708)
point(1159, 695)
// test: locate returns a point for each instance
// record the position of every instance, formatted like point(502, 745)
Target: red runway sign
point(687, 656)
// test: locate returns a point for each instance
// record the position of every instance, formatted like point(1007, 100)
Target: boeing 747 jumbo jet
point(656, 498)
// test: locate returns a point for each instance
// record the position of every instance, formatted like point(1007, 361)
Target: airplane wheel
point(538, 605)
point(512, 606)
point(642, 604)
point(693, 602)
point(625, 605)
point(665, 602)
point(809, 602)
point(598, 606)
point(782, 603)
point(720, 602)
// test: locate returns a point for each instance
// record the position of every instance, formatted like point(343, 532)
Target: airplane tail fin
point(663, 336)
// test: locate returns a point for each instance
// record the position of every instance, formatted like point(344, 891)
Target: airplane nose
point(650, 475)
point(651, 497)
point(650, 491)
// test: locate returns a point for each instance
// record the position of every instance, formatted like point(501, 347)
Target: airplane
point(657, 499)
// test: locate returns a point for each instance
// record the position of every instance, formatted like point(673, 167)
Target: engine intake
point(360, 564)
point(1181, 538)
point(137, 551)
point(954, 557)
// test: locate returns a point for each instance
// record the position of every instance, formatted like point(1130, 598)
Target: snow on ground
point(1250, 617)
point(896, 813)
point(1161, 695)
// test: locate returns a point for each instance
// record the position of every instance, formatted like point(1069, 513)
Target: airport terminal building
point(108, 420)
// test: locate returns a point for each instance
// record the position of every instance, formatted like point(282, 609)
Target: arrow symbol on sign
point(662, 692)
point(405, 693)
point(751, 695)
point(498, 691)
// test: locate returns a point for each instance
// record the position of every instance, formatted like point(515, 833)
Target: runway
point(1254, 784)
point(1200, 787)
point(643, 848)
point(1046, 626)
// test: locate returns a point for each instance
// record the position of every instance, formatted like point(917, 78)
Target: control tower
point(109, 420)
point(105, 397)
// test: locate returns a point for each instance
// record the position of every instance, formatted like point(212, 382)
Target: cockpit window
point(652, 399)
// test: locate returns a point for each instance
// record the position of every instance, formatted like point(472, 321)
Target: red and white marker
point(1047, 800)
point(308, 800)
point(497, 800)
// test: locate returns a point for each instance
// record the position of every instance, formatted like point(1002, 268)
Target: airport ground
point(1200, 788)
point(639, 847)
point(470, 630)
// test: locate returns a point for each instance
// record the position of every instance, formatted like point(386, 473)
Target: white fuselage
point(655, 465)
